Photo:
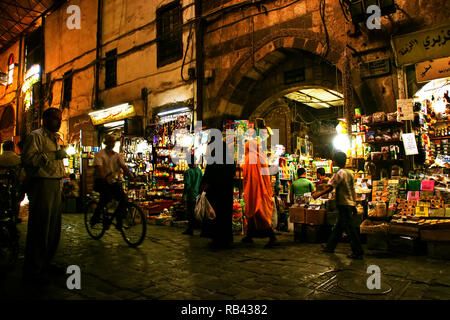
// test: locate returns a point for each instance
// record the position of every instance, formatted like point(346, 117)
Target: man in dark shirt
point(192, 180)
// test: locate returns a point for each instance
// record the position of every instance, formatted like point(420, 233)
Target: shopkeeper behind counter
point(301, 186)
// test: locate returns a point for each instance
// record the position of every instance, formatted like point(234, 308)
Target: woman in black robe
point(218, 182)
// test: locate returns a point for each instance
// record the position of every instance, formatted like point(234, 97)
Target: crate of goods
point(404, 230)
point(315, 217)
point(377, 209)
point(297, 214)
point(373, 227)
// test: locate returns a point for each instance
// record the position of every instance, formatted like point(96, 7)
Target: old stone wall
point(130, 27)
point(8, 92)
point(237, 40)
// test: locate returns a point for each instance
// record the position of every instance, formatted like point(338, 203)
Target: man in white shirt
point(108, 165)
point(344, 184)
point(42, 157)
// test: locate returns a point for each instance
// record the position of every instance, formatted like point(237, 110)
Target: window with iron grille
point(67, 95)
point(111, 69)
point(169, 33)
point(10, 70)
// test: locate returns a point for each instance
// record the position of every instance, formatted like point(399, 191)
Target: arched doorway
point(295, 91)
point(7, 119)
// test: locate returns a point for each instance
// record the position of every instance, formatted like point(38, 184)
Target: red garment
point(258, 194)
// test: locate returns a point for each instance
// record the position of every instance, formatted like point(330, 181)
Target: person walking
point(218, 182)
point(301, 186)
point(258, 195)
point(344, 183)
point(192, 180)
point(42, 157)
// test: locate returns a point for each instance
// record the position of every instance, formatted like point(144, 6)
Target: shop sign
point(409, 142)
point(76, 124)
point(423, 45)
point(89, 138)
point(375, 68)
point(405, 109)
point(31, 77)
point(116, 113)
point(433, 69)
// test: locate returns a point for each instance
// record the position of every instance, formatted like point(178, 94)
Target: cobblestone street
point(169, 265)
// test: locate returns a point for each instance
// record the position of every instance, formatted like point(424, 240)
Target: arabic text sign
point(433, 69)
point(409, 142)
point(405, 109)
point(82, 122)
point(120, 112)
point(422, 45)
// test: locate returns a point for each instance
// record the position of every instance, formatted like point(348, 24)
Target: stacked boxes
point(379, 191)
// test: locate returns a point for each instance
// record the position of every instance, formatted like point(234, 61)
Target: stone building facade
point(125, 30)
point(249, 45)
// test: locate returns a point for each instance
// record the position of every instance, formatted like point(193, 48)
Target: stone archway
point(244, 73)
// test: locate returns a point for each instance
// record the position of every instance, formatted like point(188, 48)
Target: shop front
point(401, 159)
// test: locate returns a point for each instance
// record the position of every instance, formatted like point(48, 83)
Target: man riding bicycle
point(108, 165)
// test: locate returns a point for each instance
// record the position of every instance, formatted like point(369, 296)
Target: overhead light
point(165, 113)
point(71, 150)
point(114, 124)
point(323, 104)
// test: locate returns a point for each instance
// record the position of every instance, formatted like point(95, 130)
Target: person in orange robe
point(258, 195)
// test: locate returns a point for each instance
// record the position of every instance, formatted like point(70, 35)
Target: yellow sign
point(423, 45)
point(433, 69)
point(119, 112)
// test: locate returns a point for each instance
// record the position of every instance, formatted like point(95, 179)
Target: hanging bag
point(203, 209)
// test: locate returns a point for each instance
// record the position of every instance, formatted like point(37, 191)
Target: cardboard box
point(297, 214)
point(422, 211)
point(315, 217)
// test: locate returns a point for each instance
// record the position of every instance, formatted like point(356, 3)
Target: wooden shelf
point(389, 161)
point(381, 142)
point(384, 124)
point(440, 138)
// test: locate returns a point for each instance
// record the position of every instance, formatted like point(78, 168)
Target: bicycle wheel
point(134, 225)
point(96, 230)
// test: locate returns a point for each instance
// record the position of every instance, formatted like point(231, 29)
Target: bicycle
point(130, 221)
point(9, 234)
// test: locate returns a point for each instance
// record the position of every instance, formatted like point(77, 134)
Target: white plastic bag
point(203, 209)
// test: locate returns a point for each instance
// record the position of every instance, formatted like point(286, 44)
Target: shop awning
point(20, 17)
point(115, 113)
